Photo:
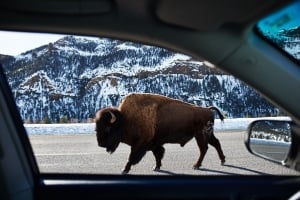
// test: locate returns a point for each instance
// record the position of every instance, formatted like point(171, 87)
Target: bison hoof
point(156, 169)
point(195, 167)
point(124, 172)
point(222, 162)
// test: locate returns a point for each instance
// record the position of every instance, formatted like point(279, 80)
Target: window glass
point(283, 29)
point(60, 84)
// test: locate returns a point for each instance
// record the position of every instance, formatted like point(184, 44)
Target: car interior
point(225, 34)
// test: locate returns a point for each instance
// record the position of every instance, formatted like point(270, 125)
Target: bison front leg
point(135, 156)
point(158, 153)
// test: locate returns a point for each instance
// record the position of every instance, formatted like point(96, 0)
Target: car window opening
point(59, 87)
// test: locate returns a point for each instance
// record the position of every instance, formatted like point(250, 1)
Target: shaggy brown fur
point(147, 121)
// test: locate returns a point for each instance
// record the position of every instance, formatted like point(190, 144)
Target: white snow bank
point(240, 123)
point(89, 128)
point(58, 129)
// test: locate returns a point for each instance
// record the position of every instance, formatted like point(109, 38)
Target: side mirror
point(270, 139)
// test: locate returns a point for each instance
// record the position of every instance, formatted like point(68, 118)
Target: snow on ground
point(269, 142)
point(59, 129)
point(89, 128)
point(240, 123)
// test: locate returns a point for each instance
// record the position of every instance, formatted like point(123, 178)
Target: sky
point(15, 43)
point(286, 18)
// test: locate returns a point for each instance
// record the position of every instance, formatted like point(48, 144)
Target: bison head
point(108, 128)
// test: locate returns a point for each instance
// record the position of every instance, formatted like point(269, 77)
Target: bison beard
point(147, 121)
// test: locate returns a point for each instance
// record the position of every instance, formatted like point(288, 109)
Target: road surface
point(80, 154)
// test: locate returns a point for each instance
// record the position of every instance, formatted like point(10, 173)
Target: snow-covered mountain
point(76, 76)
point(287, 39)
point(292, 41)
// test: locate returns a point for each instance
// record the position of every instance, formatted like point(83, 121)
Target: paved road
point(80, 154)
point(277, 152)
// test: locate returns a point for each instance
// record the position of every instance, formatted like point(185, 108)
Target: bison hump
point(140, 113)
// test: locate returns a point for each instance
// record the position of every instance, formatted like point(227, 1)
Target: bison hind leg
point(158, 153)
point(203, 146)
point(203, 150)
point(216, 143)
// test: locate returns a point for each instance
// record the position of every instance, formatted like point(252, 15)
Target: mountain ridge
point(75, 76)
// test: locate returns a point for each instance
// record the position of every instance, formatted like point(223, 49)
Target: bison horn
point(113, 117)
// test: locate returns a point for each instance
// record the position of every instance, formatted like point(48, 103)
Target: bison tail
point(221, 116)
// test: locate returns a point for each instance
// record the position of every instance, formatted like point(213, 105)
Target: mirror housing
point(265, 137)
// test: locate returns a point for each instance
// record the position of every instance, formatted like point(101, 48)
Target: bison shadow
point(232, 173)
point(216, 171)
point(166, 172)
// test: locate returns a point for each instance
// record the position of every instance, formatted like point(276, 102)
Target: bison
point(148, 121)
